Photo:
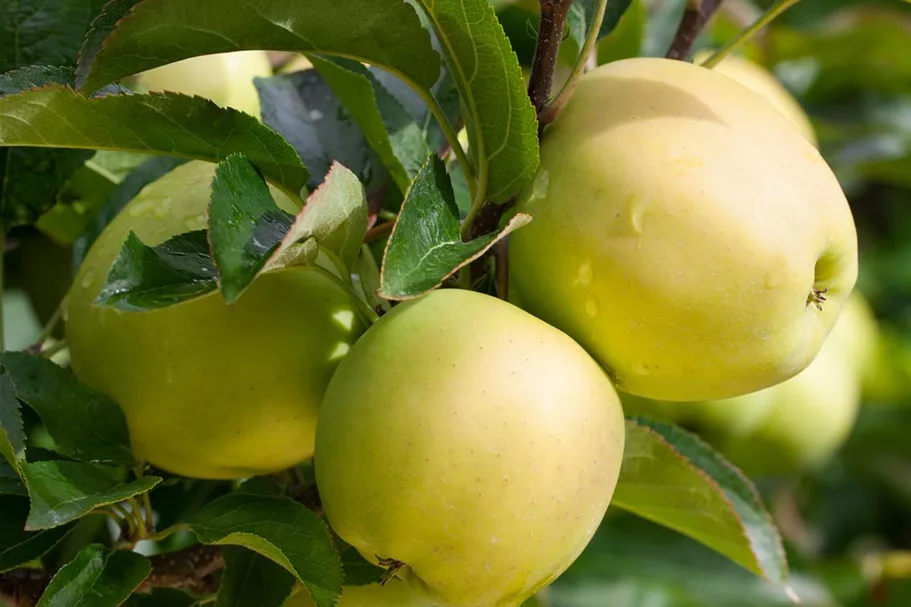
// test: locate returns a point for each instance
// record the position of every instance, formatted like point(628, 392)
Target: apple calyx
point(392, 568)
point(817, 297)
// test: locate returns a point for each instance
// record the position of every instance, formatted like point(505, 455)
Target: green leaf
point(10, 483)
point(304, 109)
point(148, 171)
point(632, 562)
point(18, 546)
point(252, 579)
point(76, 203)
point(147, 278)
point(158, 123)
point(37, 32)
point(425, 247)
point(502, 125)
point(34, 178)
point(85, 424)
point(12, 435)
point(673, 478)
point(280, 529)
point(97, 578)
point(158, 33)
point(366, 278)
point(387, 126)
point(245, 225)
point(359, 571)
point(335, 216)
point(626, 39)
point(65, 491)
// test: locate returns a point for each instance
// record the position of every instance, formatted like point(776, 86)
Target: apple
point(763, 83)
point(395, 593)
point(210, 390)
point(225, 78)
point(796, 425)
point(686, 234)
point(471, 443)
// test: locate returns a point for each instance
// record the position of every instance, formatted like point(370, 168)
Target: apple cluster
point(689, 243)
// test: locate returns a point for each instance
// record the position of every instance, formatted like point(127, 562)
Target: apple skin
point(395, 593)
point(225, 78)
point(681, 226)
point(210, 390)
point(763, 83)
point(471, 442)
point(794, 426)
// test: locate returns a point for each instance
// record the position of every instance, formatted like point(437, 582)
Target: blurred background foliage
point(847, 524)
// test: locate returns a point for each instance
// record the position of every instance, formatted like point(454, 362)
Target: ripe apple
point(796, 425)
point(685, 233)
point(210, 390)
point(761, 82)
point(395, 593)
point(225, 78)
point(472, 443)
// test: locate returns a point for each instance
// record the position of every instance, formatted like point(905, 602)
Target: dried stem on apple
point(695, 17)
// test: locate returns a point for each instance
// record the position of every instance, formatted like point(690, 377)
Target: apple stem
point(550, 35)
point(748, 33)
point(550, 113)
point(695, 17)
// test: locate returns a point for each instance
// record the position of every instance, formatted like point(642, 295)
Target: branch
point(550, 35)
point(194, 570)
point(696, 15)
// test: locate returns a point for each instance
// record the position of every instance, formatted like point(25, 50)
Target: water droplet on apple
point(591, 307)
point(585, 275)
point(541, 185)
point(88, 279)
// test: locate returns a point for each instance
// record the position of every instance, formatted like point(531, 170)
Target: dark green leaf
point(359, 571)
point(18, 546)
point(97, 578)
point(261, 485)
point(246, 226)
point(76, 204)
point(159, 123)
point(304, 109)
point(673, 478)
point(36, 32)
point(425, 247)
point(502, 125)
point(64, 491)
point(12, 436)
point(252, 579)
point(280, 529)
point(85, 424)
point(146, 278)
point(147, 172)
point(390, 130)
point(10, 483)
point(158, 33)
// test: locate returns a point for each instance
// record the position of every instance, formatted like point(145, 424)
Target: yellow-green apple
point(470, 443)
point(210, 390)
point(686, 233)
point(760, 81)
point(796, 425)
point(225, 78)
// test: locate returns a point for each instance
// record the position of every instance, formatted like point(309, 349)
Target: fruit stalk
point(550, 113)
point(550, 34)
point(744, 36)
point(696, 15)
